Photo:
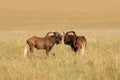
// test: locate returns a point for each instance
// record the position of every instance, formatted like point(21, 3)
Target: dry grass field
point(97, 20)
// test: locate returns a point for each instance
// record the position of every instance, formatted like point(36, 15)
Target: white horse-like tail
point(83, 49)
point(25, 50)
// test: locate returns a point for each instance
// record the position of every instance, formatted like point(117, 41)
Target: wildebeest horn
point(49, 33)
point(71, 32)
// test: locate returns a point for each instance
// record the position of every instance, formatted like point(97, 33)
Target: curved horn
point(49, 33)
point(71, 32)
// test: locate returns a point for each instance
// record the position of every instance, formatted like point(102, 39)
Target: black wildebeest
point(45, 43)
point(76, 42)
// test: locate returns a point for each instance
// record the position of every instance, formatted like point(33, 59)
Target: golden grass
point(101, 60)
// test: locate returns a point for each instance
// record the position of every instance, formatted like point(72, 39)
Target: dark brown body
point(45, 43)
point(76, 42)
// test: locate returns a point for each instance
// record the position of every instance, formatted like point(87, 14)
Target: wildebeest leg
point(31, 50)
point(47, 51)
point(78, 50)
point(72, 49)
point(74, 52)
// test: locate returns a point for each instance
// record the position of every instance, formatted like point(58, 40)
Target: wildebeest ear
point(57, 34)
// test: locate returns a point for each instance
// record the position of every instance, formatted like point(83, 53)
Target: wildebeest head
point(57, 36)
point(68, 38)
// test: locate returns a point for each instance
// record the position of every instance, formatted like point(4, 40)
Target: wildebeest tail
point(83, 48)
point(25, 50)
